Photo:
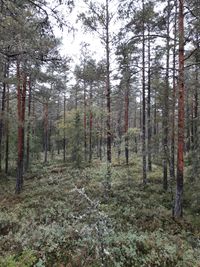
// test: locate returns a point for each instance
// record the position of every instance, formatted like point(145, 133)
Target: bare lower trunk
point(46, 132)
point(126, 123)
point(90, 127)
point(28, 126)
point(172, 162)
point(178, 209)
point(21, 97)
point(2, 119)
point(143, 106)
point(7, 132)
point(64, 131)
point(108, 90)
point(166, 108)
point(149, 104)
point(85, 122)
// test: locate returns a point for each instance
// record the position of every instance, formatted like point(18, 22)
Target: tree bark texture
point(21, 97)
point(178, 209)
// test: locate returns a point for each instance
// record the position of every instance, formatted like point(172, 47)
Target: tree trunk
point(2, 119)
point(21, 97)
point(172, 167)
point(166, 107)
point(178, 209)
point(46, 132)
point(58, 137)
point(90, 126)
point(101, 130)
point(85, 122)
point(196, 94)
point(108, 89)
point(7, 130)
point(28, 125)
point(64, 131)
point(143, 104)
point(126, 122)
point(149, 103)
point(188, 123)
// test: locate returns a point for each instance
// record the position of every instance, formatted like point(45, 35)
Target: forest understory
point(63, 219)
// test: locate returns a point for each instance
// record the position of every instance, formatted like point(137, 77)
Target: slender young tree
point(64, 130)
point(46, 131)
point(166, 104)
point(172, 161)
point(143, 102)
point(149, 127)
point(7, 128)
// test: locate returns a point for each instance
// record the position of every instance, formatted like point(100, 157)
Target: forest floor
point(63, 219)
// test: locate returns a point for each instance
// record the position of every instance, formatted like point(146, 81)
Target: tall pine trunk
point(172, 161)
point(7, 129)
point(108, 89)
point(64, 131)
point(126, 119)
point(166, 107)
point(85, 121)
point(21, 97)
point(149, 104)
point(28, 125)
point(178, 209)
point(143, 103)
point(90, 126)
point(2, 117)
point(46, 135)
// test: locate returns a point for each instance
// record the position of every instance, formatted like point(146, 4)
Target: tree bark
point(178, 209)
point(85, 121)
point(166, 107)
point(126, 119)
point(172, 167)
point(64, 131)
point(90, 126)
point(21, 97)
point(28, 125)
point(108, 89)
point(143, 103)
point(7, 129)
point(2, 119)
point(46, 132)
point(149, 104)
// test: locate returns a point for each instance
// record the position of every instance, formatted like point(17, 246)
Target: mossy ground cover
point(62, 218)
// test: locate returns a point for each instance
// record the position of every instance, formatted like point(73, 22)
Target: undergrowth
point(63, 219)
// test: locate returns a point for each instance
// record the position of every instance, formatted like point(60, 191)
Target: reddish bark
point(21, 98)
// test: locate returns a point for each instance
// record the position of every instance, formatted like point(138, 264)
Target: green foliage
point(26, 259)
point(62, 218)
point(76, 140)
point(155, 249)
